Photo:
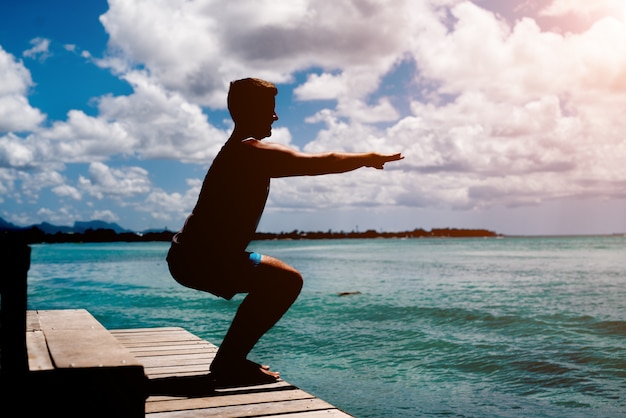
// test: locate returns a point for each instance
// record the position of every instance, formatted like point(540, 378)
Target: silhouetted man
point(210, 252)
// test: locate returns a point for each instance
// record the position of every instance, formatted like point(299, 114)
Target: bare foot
point(260, 366)
point(267, 371)
point(242, 374)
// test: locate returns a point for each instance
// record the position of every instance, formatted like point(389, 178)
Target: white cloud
point(349, 88)
point(161, 124)
point(500, 113)
point(104, 215)
point(526, 117)
point(196, 48)
point(522, 62)
point(83, 138)
point(16, 114)
point(14, 152)
point(115, 182)
point(40, 49)
point(320, 87)
point(32, 182)
point(172, 206)
point(582, 7)
point(65, 190)
point(60, 216)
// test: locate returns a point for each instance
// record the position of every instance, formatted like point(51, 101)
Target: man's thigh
point(269, 274)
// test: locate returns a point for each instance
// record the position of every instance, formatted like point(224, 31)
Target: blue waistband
point(255, 258)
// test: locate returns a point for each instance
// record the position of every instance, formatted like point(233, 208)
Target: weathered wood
point(177, 364)
point(75, 339)
point(92, 373)
point(201, 359)
point(252, 410)
point(79, 371)
point(324, 413)
point(67, 319)
point(38, 354)
point(32, 321)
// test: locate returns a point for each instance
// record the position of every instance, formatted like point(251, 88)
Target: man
point(209, 252)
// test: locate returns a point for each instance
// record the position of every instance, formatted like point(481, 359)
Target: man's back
point(233, 195)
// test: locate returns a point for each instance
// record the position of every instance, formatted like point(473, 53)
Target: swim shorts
point(221, 275)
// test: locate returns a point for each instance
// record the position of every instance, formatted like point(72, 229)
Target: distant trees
point(370, 233)
point(34, 235)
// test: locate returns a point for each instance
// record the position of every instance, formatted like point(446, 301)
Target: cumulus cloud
point(172, 206)
point(104, 215)
point(196, 48)
point(65, 190)
point(582, 7)
point(61, 216)
point(494, 100)
point(33, 182)
point(114, 182)
point(498, 112)
point(527, 103)
point(14, 152)
point(161, 124)
point(16, 114)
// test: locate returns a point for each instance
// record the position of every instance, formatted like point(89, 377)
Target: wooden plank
point(77, 368)
point(72, 338)
point(177, 364)
point(171, 391)
point(68, 319)
point(156, 338)
point(32, 321)
point(176, 360)
point(326, 413)
point(87, 348)
point(38, 355)
point(252, 410)
point(194, 368)
point(76, 339)
point(134, 331)
point(226, 399)
point(179, 335)
point(168, 350)
point(155, 331)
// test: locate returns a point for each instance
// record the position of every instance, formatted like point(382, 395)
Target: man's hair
point(245, 95)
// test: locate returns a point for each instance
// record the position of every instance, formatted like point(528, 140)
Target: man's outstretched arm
point(283, 161)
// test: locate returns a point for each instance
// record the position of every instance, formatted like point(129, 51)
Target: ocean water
point(510, 327)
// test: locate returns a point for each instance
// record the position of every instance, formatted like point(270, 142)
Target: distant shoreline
point(35, 235)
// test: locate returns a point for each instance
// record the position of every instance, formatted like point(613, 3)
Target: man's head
point(251, 101)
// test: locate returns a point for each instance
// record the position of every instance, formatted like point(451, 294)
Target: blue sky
point(510, 114)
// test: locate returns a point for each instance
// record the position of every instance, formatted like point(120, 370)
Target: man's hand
point(378, 160)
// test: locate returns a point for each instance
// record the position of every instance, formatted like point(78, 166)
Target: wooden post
point(14, 265)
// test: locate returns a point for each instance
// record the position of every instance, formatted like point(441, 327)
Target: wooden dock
point(175, 366)
point(66, 363)
point(177, 362)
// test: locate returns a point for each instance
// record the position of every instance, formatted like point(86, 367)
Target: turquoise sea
point(509, 327)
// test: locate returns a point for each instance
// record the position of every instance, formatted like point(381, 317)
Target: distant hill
point(77, 228)
point(100, 231)
point(83, 226)
point(4, 226)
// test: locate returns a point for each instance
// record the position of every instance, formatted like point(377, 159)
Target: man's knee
point(288, 282)
point(286, 274)
point(297, 282)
